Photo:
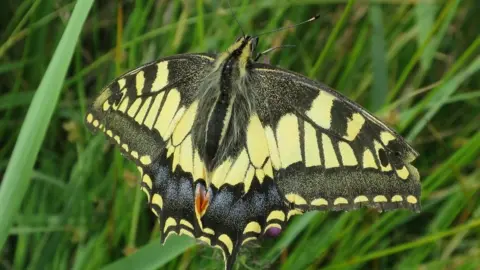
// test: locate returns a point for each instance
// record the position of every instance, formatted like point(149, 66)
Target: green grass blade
point(331, 39)
point(451, 5)
point(378, 95)
point(425, 16)
point(474, 224)
point(447, 90)
point(19, 170)
point(154, 255)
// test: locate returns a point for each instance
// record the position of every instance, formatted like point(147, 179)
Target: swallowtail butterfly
point(230, 149)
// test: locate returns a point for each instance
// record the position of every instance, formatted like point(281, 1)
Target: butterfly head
point(239, 52)
point(249, 43)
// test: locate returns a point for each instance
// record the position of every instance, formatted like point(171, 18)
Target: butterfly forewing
point(328, 152)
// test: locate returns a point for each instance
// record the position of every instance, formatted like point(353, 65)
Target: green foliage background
point(68, 200)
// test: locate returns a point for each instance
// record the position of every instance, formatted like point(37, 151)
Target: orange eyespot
point(202, 199)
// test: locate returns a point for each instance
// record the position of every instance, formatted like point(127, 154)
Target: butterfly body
point(230, 149)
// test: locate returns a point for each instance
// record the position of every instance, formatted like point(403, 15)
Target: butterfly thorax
point(224, 105)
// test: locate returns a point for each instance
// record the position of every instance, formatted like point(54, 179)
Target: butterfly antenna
point(271, 49)
point(236, 19)
point(290, 26)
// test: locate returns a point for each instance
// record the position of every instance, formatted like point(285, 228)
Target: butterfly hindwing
point(328, 152)
point(170, 196)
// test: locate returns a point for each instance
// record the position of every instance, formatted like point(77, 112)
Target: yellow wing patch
point(321, 110)
point(288, 139)
point(248, 179)
point(124, 103)
point(273, 148)
point(340, 200)
point(403, 173)
point(360, 199)
point(312, 152)
point(153, 112)
point(184, 126)
point(295, 199)
point(348, 156)
point(254, 161)
point(257, 144)
point(140, 117)
point(167, 113)
point(354, 125)
point(331, 160)
point(319, 202)
point(368, 160)
point(276, 214)
point(140, 82)
point(161, 79)
point(252, 226)
point(239, 168)
point(220, 173)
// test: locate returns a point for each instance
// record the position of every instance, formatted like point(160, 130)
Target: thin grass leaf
point(17, 176)
point(331, 39)
point(429, 99)
point(420, 242)
point(449, 7)
point(378, 95)
point(154, 255)
point(425, 16)
point(13, 99)
point(443, 96)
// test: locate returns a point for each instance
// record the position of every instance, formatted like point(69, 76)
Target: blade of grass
point(13, 99)
point(11, 40)
point(302, 256)
point(404, 76)
point(19, 170)
point(9, 67)
point(425, 16)
point(331, 39)
point(461, 158)
point(154, 255)
point(429, 99)
point(420, 242)
point(443, 95)
point(378, 95)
